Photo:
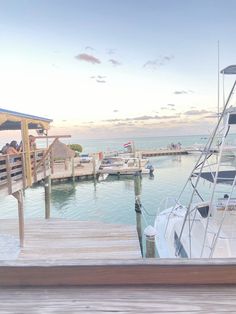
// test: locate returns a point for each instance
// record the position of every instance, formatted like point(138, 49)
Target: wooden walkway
point(123, 299)
point(70, 239)
point(163, 152)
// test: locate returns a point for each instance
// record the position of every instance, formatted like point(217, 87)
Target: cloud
point(143, 118)
point(111, 51)
point(88, 58)
point(197, 112)
point(182, 92)
point(114, 62)
point(160, 61)
point(101, 81)
point(99, 78)
point(89, 48)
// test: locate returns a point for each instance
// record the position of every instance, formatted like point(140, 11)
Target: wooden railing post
point(23, 170)
point(35, 165)
point(9, 179)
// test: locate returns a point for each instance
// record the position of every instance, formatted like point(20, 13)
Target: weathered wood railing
point(12, 168)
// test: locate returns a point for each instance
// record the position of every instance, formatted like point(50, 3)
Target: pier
point(162, 152)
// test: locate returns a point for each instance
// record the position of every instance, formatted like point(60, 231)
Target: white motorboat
point(201, 223)
point(125, 165)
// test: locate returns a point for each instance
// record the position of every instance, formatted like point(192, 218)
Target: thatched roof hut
point(62, 151)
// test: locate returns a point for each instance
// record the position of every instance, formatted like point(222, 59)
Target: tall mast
point(218, 80)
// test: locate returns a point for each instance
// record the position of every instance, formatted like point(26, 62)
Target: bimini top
point(231, 69)
point(11, 120)
point(224, 176)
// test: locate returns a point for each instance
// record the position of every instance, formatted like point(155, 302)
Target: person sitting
point(11, 150)
point(32, 142)
point(4, 148)
point(14, 145)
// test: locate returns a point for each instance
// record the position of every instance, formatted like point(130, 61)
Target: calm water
point(112, 200)
point(108, 201)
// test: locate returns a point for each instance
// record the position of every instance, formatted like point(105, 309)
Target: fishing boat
point(201, 221)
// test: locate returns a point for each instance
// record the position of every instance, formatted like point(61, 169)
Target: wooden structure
point(102, 272)
point(19, 171)
point(119, 299)
point(57, 239)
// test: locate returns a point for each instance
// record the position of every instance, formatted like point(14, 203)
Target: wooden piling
point(150, 234)
point(73, 168)
point(94, 167)
point(19, 196)
point(137, 192)
point(47, 189)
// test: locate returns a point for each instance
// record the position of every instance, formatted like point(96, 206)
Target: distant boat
point(102, 176)
point(125, 165)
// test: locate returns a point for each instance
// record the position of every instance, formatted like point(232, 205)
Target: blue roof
point(24, 115)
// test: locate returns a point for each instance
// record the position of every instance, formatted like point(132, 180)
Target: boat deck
point(56, 239)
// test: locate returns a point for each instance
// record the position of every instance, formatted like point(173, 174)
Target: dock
point(162, 152)
point(75, 169)
point(61, 239)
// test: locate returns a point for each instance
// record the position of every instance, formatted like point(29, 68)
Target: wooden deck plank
point(70, 239)
point(143, 299)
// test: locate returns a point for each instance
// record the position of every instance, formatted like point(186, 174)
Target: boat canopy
point(224, 177)
point(231, 69)
point(11, 120)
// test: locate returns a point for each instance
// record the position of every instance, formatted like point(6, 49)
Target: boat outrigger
point(206, 225)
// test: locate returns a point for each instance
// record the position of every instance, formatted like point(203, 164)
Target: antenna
point(218, 80)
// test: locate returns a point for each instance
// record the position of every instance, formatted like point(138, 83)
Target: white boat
point(102, 176)
point(125, 165)
point(201, 223)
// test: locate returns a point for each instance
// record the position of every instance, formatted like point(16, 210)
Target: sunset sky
point(115, 68)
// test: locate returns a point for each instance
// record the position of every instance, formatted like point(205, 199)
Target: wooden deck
point(57, 239)
point(65, 170)
point(123, 299)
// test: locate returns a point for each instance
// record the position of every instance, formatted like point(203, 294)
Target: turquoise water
point(113, 200)
point(108, 201)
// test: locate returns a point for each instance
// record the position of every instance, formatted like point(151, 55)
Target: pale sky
point(115, 68)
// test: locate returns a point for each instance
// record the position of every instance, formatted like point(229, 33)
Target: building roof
point(11, 120)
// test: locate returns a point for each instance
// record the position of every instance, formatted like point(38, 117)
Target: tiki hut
point(62, 153)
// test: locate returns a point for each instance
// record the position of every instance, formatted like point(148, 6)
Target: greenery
point(76, 147)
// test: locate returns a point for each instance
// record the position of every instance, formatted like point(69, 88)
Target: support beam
point(26, 151)
point(19, 196)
